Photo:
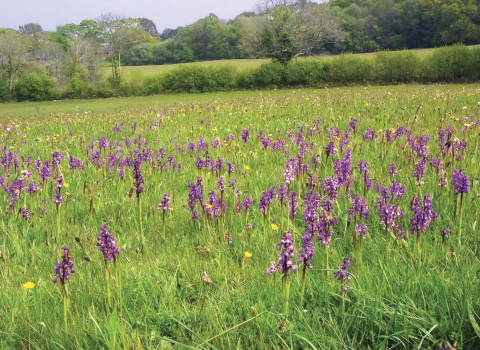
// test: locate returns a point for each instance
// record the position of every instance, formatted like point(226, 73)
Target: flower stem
point(304, 274)
point(142, 238)
point(65, 321)
point(460, 219)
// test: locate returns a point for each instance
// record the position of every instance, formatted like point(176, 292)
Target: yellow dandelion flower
point(247, 168)
point(66, 185)
point(28, 285)
point(274, 227)
point(248, 255)
point(208, 206)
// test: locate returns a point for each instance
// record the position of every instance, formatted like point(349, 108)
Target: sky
point(164, 13)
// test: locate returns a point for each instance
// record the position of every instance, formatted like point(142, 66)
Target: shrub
point(196, 78)
point(398, 66)
point(221, 78)
point(474, 64)
point(77, 88)
point(350, 69)
point(269, 75)
point(449, 63)
point(245, 79)
point(192, 78)
point(33, 87)
point(306, 73)
point(154, 84)
point(140, 55)
point(133, 84)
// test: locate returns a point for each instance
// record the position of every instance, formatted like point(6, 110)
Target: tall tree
point(120, 34)
point(292, 31)
point(149, 27)
point(30, 28)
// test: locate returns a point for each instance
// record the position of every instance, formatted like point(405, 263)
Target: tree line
point(71, 57)
point(285, 29)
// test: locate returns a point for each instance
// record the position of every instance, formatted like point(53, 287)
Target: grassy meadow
point(240, 64)
point(158, 219)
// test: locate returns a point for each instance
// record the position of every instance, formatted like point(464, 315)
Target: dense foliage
point(448, 64)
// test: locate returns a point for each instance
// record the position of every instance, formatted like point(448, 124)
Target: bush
point(77, 88)
point(306, 73)
point(245, 79)
point(269, 75)
point(394, 67)
point(350, 69)
point(449, 63)
point(196, 78)
point(133, 84)
point(154, 84)
point(221, 78)
point(33, 87)
point(474, 63)
point(192, 78)
point(140, 55)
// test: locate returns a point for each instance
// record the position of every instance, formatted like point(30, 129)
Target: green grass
point(400, 296)
point(240, 64)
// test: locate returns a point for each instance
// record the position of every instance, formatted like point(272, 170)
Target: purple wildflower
point(287, 249)
point(272, 268)
point(24, 213)
point(331, 185)
point(164, 203)
point(460, 181)
point(343, 275)
point(392, 170)
point(220, 184)
point(397, 190)
point(64, 268)
point(359, 207)
point(422, 216)
point(137, 176)
point(307, 250)
point(247, 203)
point(246, 135)
point(106, 243)
point(419, 171)
point(230, 168)
point(361, 229)
point(445, 233)
point(331, 150)
point(293, 203)
point(76, 163)
point(370, 135)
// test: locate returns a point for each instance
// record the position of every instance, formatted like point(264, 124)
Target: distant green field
point(240, 64)
point(45, 110)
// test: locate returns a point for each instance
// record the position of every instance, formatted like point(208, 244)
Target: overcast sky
point(165, 13)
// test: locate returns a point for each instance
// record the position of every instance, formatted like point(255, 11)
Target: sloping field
point(240, 64)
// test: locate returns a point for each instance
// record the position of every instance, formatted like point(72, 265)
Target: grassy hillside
point(240, 64)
